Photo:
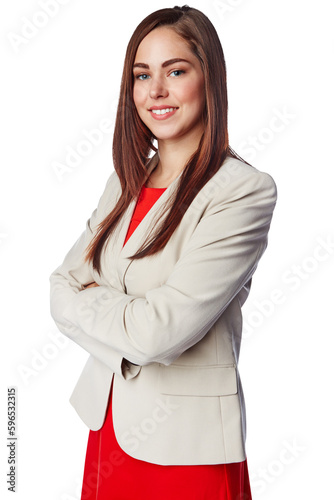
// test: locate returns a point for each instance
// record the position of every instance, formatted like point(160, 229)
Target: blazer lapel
point(140, 233)
point(116, 256)
point(120, 254)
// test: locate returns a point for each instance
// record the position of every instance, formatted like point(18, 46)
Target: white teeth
point(162, 111)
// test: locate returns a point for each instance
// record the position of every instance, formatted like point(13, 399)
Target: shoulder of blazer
point(233, 181)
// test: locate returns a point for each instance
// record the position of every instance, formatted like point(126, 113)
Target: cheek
point(138, 95)
point(193, 94)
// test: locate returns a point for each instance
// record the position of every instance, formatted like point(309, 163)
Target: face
point(168, 86)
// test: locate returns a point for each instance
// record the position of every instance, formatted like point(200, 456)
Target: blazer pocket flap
point(183, 380)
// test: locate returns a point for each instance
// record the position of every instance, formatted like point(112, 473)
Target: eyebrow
point(164, 64)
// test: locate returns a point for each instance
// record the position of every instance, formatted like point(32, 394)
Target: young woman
point(154, 286)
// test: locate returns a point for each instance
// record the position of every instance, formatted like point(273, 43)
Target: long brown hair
point(133, 141)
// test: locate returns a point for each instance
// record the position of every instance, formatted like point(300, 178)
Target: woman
point(153, 288)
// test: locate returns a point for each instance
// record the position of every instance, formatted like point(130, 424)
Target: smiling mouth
point(162, 111)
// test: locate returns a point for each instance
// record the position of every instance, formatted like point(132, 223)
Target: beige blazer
point(168, 327)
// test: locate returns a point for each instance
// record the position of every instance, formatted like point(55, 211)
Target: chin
point(164, 134)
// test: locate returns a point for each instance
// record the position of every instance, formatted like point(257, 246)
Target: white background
point(64, 79)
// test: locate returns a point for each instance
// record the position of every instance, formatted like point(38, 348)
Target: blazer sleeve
point(69, 279)
point(217, 261)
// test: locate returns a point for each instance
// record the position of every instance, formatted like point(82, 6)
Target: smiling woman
point(170, 99)
point(153, 288)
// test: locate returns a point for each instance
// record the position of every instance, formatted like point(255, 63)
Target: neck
point(173, 156)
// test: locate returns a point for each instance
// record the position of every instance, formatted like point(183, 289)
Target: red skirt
point(111, 474)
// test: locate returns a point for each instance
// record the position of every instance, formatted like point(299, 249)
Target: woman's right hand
point(91, 285)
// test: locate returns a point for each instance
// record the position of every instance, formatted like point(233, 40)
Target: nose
point(158, 88)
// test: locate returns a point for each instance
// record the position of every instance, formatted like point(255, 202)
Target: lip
point(164, 116)
point(162, 106)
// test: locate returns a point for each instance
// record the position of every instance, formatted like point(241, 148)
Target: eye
point(142, 76)
point(179, 71)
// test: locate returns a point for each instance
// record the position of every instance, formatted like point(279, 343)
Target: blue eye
point(178, 71)
point(139, 77)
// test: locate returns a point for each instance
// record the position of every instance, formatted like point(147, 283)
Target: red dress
point(111, 474)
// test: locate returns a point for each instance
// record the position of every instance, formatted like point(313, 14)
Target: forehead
point(162, 43)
